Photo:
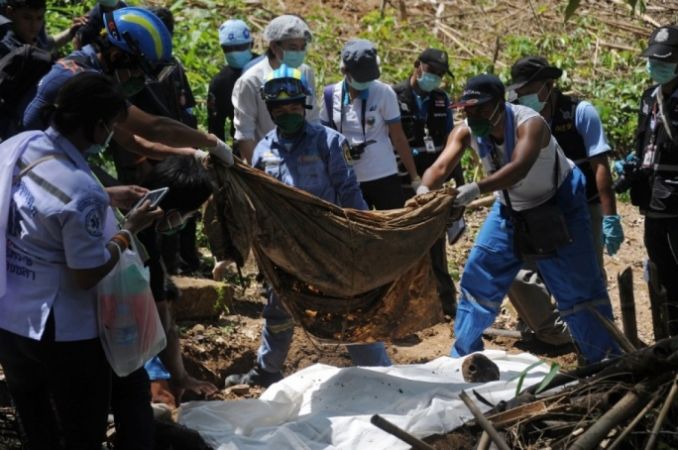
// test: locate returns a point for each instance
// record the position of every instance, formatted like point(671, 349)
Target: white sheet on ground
point(324, 407)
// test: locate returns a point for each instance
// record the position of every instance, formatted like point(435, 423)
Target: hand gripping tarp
point(345, 275)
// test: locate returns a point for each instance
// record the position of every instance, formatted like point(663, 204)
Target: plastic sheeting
point(324, 407)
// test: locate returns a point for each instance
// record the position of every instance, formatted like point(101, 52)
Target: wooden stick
point(662, 415)
point(483, 422)
point(481, 202)
point(633, 424)
point(627, 304)
point(385, 425)
point(624, 343)
point(484, 441)
point(503, 333)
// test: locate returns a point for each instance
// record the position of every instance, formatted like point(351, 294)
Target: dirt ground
point(228, 345)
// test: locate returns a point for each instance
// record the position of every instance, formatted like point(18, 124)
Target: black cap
point(532, 68)
point(480, 89)
point(436, 59)
point(663, 44)
point(359, 57)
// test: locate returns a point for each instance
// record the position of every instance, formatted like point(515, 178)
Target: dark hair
point(165, 15)
point(83, 101)
point(32, 4)
point(188, 183)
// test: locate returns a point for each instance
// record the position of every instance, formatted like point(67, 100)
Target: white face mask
point(532, 100)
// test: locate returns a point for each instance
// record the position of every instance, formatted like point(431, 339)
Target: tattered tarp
point(324, 407)
point(344, 275)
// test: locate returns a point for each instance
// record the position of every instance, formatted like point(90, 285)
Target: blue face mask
point(293, 58)
point(532, 100)
point(360, 86)
point(237, 60)
point(661, 72)
point(428, 81)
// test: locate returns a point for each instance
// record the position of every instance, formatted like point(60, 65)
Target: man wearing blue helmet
point(313, 158)
point(235, 39)
point(136, 46)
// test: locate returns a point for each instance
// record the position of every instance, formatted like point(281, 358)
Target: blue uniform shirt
point(588, 125)
point(315, 162)
point(48, 88)
point(51, 228)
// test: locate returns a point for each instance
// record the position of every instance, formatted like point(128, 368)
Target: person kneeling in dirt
point(537, 181)
point(313, 158)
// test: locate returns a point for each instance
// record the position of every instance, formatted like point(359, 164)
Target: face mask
point(428, 81)
point(532, 100)
point(360, 85)
point(237, 60)
point(660, 71)
point(481, 127)
point(131, 86)
point(293, 58)
point(95, 149)
point(289, 123)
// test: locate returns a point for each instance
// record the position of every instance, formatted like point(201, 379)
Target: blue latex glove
point(612, 233)
point(618, 165)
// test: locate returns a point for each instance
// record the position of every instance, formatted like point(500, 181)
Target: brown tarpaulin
point(345, 275)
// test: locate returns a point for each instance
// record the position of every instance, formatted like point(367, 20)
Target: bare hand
point(124, 197)
point(192, 384)
point(142, 217)
point(77, 23)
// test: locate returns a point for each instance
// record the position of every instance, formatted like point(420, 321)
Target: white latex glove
point(422, 189)
point(466, 193)
point(219, 270)
point(416, 182)
point(223, 152)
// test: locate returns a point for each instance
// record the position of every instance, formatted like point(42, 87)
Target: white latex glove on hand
point(222, 151)
point(422, 189)
point(219, 270)
point(466, 193)
point(416, 182)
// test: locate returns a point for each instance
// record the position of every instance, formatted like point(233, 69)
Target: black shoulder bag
point(540, 231)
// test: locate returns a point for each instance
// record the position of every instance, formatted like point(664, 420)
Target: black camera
point(631, 172)
point(358, 149)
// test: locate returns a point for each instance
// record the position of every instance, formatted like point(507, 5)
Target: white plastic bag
point(129, 326)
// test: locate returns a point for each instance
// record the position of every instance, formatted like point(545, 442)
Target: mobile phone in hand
point(154, 196)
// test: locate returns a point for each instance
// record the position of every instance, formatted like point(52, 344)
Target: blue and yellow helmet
point(285, 85)
point(140, 33)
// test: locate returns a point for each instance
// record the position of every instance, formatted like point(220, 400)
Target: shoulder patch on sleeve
point(92, 211)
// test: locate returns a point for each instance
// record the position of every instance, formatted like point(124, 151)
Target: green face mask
point(289, 123)
point(480, 126)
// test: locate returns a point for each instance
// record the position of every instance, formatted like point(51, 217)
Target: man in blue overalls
point(523, 160)
point(313, 158)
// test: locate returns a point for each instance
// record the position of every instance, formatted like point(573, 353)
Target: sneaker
point(255, 377)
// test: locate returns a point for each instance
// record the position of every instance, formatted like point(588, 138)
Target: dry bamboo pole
point(483, 422)
point(503, 333)
point(633, 424)
point(484, 441)
point(624, 343)
point(628, 406)
point(662, 415)
point(383, 424)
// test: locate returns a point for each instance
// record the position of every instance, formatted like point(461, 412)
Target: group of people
point(359, 143)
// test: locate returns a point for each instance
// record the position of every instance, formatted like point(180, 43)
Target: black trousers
point(661, 242)
point(132, 412)
point(61, 390)
point(383, 193)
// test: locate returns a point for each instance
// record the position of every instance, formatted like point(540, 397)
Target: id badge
point(648, 157)
point(429, 145)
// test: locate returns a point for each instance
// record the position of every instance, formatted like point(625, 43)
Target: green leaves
point(553, 371)
point(572, 6)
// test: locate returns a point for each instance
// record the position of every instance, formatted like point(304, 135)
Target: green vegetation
point(612, 77)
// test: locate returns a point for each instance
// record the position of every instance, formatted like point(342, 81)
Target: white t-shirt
point(378, 160)
point(251, 118)
point(538, 185)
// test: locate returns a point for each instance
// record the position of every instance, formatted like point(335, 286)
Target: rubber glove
point(422, 189)
point(416, 182)
point(223, 152)
point(466, 193)
point(612, 233)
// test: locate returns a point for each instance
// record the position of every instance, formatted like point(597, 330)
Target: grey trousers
point(533, 302)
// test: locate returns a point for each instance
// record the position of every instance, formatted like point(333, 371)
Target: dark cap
point(532, 68)
point(436, 59)
point(663, 44)
point(480, 89)
point(359, 57)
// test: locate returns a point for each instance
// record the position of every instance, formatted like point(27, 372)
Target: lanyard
point(363, 111)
